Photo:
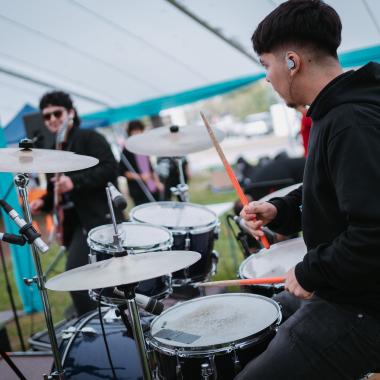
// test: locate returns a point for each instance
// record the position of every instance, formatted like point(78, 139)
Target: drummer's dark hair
point(135, 125)
point(61, 99)
point(306, 23)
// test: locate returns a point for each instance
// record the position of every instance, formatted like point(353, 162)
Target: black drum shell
point(84, 355)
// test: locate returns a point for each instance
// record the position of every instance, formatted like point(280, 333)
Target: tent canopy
point(122, 58)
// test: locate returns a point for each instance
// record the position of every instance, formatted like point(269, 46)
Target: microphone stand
point(129, 293)
point(21, 182)
point(11, 299)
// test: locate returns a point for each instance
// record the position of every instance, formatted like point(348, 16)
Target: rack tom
point(194, 228)
point(136, 238)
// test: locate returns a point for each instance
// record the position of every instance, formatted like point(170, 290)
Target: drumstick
point(231, 174)
point(249, 281)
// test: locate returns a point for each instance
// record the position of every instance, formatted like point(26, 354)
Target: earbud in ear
point(290, 63)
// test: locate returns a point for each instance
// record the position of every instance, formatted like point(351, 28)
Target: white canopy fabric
point(116, 53)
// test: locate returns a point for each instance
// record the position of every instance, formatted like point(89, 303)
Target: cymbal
point(122, 270)
point(280, 193)
point(17, 160)
point(162, 142)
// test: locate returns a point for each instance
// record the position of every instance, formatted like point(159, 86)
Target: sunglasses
point(57, 114)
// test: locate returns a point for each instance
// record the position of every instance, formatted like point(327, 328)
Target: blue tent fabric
point(14, 131)
point(22, 263)
point(154, 106)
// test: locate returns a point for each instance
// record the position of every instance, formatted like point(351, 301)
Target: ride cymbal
point(19, 160)
point(172, 141)
point(122, 270)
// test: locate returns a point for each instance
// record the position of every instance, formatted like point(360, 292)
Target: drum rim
point(179, 230)
point(262, 253)
point(213, 348)
point(164, 245)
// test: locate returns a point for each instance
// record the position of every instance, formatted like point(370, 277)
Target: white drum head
point(136, 236)
point(174, 215)
point(275, 261)
point(214, 320)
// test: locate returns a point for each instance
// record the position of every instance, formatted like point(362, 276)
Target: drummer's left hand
point(293, 287)
point(64, 184)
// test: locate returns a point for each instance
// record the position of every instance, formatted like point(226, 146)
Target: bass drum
point(84, 355)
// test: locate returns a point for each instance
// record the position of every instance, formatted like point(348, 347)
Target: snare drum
point(212, 337)
point(194, 228)
point(272, 262)
point(136, 238)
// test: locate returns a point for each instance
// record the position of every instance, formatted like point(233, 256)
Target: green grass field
point(200, 193)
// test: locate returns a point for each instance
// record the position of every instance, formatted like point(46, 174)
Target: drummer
point(84, 201)
point(332, 298)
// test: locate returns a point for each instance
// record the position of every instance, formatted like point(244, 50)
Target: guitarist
point(82, 197)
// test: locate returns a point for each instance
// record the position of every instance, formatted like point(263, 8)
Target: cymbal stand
point(182, 189)
point(129, 293)
point(21, 181)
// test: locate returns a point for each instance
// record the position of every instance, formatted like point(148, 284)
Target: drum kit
point(166, 245)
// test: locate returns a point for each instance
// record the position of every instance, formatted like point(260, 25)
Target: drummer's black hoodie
point(340, 212)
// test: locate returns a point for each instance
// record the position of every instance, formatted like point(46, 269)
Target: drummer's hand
point(64, 184)
point(36, 205)
point(145, 177)
point(256, 215)
point(160, 186)
point(293, 287)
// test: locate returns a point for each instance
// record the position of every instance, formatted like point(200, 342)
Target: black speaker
point(35, 130)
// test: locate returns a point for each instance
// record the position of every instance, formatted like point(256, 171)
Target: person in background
point(331, 302)
point(143, 170)
point(83, 198)
point(306, 123)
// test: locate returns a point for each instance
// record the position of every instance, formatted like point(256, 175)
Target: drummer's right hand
point(256, 215)
point(36, 206)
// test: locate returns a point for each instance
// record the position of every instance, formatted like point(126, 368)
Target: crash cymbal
point(280, 193)
point(17, 160)
point(123, 270)
point(166, 142)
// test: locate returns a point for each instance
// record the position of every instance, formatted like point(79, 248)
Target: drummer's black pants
point(319, 340)
point(78, 252)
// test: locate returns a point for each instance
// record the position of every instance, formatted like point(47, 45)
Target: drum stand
point(21, 181)
point(182, 189)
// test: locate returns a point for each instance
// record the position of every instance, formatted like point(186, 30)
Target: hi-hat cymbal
point(122, 270)
point(280, 193)
point(163, 142)
point(18, 160)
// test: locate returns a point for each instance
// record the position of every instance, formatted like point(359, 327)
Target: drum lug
point(217, 231)
point(206, 371)
point(237, 364)
point(214, 262)
point(178, 367)
point(187, 243)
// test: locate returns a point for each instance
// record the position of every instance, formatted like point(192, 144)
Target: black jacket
point(88, 196)
point(340, 211)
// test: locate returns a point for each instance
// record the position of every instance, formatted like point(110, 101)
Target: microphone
point(149, 304)
point(26, 229)
point(12, 238)
point(117, 198)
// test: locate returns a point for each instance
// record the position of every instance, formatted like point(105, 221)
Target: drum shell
point(200, 242)
point(223, 361)
point(84, 356)
point(158, 287)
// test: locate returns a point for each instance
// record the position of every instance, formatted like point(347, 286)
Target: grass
point(200, 193)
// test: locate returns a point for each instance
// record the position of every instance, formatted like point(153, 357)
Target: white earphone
point(290, 63)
